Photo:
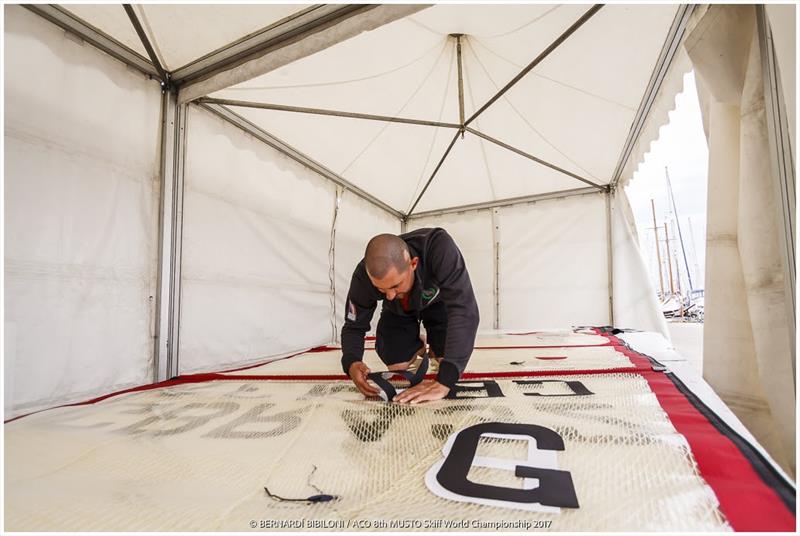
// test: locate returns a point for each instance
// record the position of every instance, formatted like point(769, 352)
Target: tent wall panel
point(357, 222)
point(472, 232)
point(635, 301)
point(81, 217)
point(256, 235)
point(553, 264)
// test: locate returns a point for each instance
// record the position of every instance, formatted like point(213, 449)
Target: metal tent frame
point(192, 82)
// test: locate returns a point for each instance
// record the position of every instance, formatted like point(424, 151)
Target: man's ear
point(414, 263)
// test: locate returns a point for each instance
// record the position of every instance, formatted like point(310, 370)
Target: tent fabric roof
point(183, 33)
point(574, 110)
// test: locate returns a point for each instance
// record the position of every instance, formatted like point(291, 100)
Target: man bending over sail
point(420, 277)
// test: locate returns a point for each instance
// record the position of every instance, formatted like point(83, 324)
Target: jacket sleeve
point(358, 311)
point(448, 267)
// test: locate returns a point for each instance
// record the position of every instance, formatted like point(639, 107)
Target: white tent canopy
point(571, 112)
point(195, 194)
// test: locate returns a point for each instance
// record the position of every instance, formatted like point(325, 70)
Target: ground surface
point(687, 339)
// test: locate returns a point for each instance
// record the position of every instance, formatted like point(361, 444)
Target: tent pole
point(460, 84)
point(284, 148)
point(173, 146)
point(610, 255)
point(436, 170)
point(531, 157)
point(496, 262)
point(146, 43)
point(319, 111)
point(337, 202)
point(506, 202)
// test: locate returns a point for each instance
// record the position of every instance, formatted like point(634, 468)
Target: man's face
point(395, 284)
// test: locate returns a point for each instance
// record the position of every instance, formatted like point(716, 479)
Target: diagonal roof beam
point(535, 159)
point(555, 44)
point(69, 22)
point(435, 171)
point(283, 147)
point(319, 111)
point(279, 44)
point(162, 74)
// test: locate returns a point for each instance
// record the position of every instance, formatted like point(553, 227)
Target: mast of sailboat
point(677, 266)
point(658, 248)
point(680, 234)
point(694, 248)
point(669, 260)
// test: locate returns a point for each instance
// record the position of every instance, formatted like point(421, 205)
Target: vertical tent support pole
point(496, 262)
point(173, 138)
point(781, 162)
point(460, 84)
point(332, 260)
point(610, 256)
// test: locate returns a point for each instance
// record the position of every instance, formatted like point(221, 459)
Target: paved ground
point(687, 339)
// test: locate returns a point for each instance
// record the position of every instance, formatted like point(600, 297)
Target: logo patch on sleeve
point(429, 294)
point(351, 311)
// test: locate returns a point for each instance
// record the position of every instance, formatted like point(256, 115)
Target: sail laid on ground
point(598, 437)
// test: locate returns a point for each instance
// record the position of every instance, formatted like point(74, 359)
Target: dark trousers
point(397, 337)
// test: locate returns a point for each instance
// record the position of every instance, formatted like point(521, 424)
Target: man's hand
point(426, 391)
point(358, 373)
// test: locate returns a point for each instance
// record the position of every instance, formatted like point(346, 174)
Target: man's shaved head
point(384, 252)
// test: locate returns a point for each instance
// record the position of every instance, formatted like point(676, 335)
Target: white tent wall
point(256, 235)
point(356, 223)
point(748, 336)
point(472, 233)
point(554, 263)
point(552, 266)
point(81, 218)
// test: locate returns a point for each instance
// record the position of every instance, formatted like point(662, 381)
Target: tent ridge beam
point(291, 28)
point(435, 171)
point(546, 52)
point(69, 22)
point(137, 25)
point(505, 202)
point(320, 111)
point(286, 149)
point(534, 158)
point(665, 58)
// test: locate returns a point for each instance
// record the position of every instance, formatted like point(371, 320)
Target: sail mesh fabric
point(197, 457)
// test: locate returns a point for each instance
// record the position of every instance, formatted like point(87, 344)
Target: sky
point(681, 148)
